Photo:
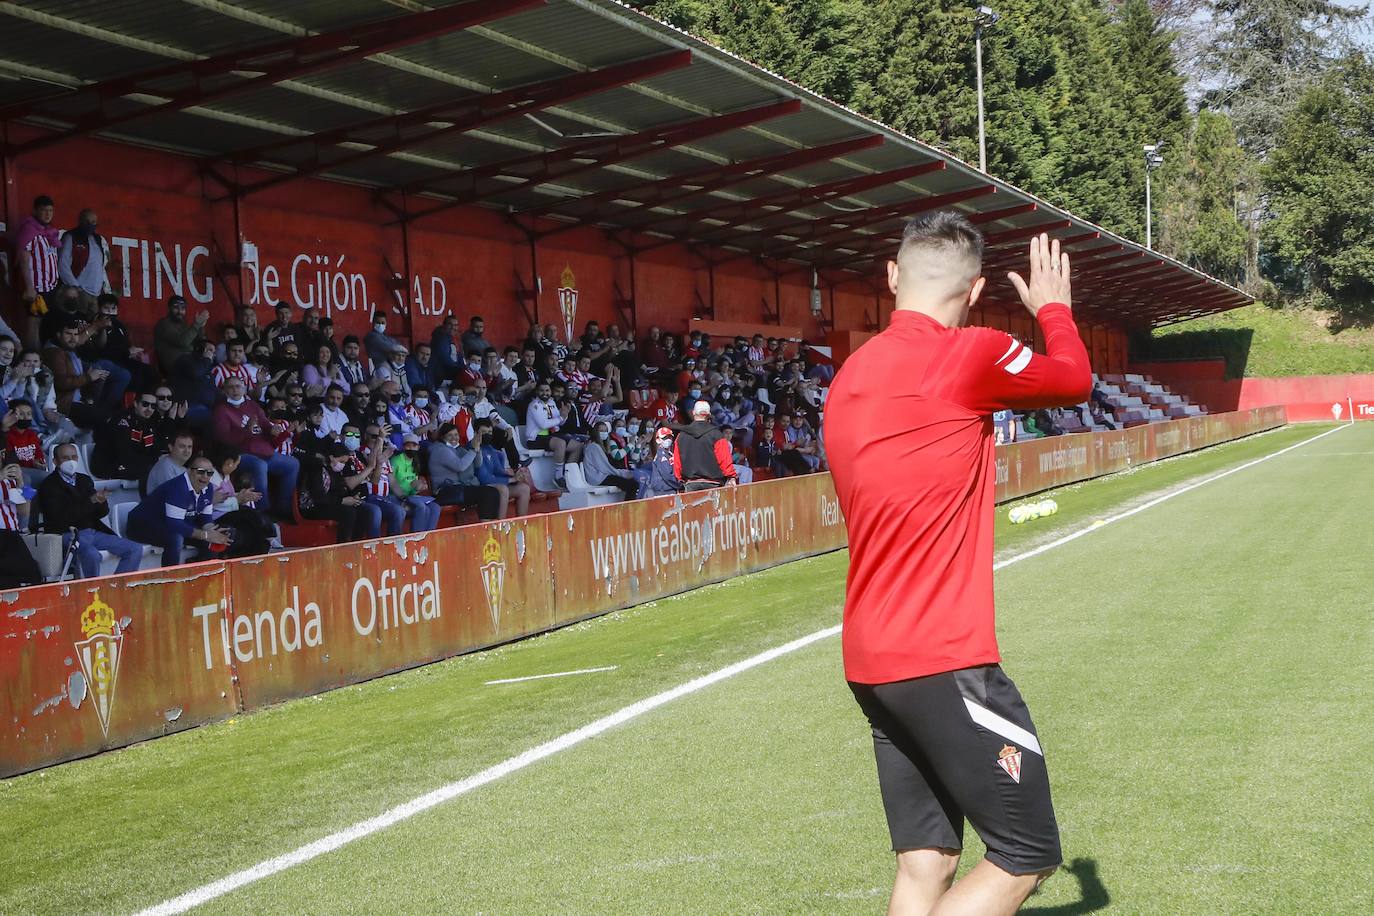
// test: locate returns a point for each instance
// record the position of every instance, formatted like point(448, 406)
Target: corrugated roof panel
point(565, 30)
point(181, 26)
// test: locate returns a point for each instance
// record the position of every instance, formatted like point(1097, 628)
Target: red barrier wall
point(334, 246)
point(94, 665)
point(1308, 397)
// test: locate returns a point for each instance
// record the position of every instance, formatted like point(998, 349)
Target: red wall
point(175, 227)
point(1308, 398)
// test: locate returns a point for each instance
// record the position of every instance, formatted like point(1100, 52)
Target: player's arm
point(991, 370)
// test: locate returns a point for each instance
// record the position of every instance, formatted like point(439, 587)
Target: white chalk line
point(393, 816)
point(537, 677)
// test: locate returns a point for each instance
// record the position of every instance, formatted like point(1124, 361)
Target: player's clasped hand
point(1049, 275)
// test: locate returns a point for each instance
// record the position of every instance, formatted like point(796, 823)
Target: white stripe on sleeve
point(1011, 348)
point(176, 512)
point(1021, 361)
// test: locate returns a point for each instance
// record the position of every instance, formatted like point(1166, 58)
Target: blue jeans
point(284, 469)
point(393, 512)
point(424, 513)
point(90, 542)
point(171, 542)
point(113, 388)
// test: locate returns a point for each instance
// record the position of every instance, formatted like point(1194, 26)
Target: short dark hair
point(43, 200)
point(943, 229)
point(107, 299)
point(350, 339)
point(21, 402)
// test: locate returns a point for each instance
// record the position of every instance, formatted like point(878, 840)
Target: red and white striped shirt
point(9, 515)
point(592, 411)
point(283, 439)
point(244, 371)
point(756, 354)
point(382, 485)
point(42, 255)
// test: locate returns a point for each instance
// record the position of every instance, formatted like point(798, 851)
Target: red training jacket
point(908, 434)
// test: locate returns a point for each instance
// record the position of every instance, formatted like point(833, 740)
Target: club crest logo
point(493, 571)
point(1010, 760)
point(567, 301)
point(100, 653)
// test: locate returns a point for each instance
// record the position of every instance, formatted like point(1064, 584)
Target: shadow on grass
point(1092, 892)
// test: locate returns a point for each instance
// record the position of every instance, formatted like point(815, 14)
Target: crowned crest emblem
point(99, 654)
point(567, 300)
point(1010, 760)
point(493, 571)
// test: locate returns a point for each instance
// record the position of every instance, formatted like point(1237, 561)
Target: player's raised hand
point(1049, 275)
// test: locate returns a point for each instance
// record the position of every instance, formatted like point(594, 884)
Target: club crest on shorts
point(1010, 760)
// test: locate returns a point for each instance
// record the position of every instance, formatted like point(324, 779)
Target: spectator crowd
point(229, 432)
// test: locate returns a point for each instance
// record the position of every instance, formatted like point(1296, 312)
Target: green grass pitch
point(1199, 674)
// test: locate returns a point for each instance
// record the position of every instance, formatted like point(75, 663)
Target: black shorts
point(961, 745)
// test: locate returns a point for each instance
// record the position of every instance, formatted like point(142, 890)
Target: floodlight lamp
point(1150, 148)
point(986, 16)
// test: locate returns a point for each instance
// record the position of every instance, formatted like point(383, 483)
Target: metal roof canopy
point(575, 112)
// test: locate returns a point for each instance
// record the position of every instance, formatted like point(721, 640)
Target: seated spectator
point(701, 455)
point(248, 331)
point(470, 373)
point(335, 417)
point(351, 370)
point(283, 426)
point(241, 424)
point(453, 474)
point(393, 369)
point(374, 457)
point(192, 384)
point(497, 385)
point(334, 490)
point(743, 472)
point(410, 487)
point(327, 336)
point(177, 513)
point(663, 479)
point(22, 444)
point(378, 344)
point(419, 415)
point(652, 353)
point(359, 405)
point(474, 341)
point(665, 410)
point(543, 423)
point(283, 369)
point(75, 383)
point(1099, 416)
point(173, 337)
point(419, 368)
point(1044, 422)
point(180, 447)
point(17, 565)
point(768, 446)
point(493, 470)
point(595, 402)
point(128, 448)
point(109, 348)
point(1003, 427)
point(733, 411)
point(235, 507)
point(282, 331)
point(799, 439)
point(236, 365)
point(170, 415)
point(70, 505)
point(306, 332)
point(598, 469)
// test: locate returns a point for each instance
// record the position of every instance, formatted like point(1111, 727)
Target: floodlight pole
point(983, 18)
point(1153, 160)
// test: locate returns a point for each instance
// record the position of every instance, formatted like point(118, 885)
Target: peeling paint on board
point(76, 689)
point(24, 614)
point(520, 546)
point(50, 702)
point(172, 714)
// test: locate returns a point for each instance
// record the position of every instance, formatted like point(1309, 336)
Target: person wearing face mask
point(68, 500)
point(453, 474)
point(663, 480)
point(378, 344)
point(733, 412)
point(83, 258)
point(413, 489)
point(243, 425)
point(335, 489)
point(494, 470)
point(22, 444)
point(471, 373)
point(128, 448)
point(420, 414)
point(597, 466)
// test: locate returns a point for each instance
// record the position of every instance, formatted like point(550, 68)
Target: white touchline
point(535, 677)
point(392, 816)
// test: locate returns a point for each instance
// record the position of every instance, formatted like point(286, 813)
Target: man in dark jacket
point(69, 501)
point(701, 457)
point(129, 447)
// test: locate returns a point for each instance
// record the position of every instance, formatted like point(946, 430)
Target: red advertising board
point(88, 666)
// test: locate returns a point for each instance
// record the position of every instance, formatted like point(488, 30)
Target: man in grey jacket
point(453, 474)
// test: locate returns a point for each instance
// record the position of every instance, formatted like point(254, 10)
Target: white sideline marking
point(535, 677)
point(392, 816)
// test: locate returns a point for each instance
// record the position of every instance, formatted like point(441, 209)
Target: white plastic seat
point(582, 494)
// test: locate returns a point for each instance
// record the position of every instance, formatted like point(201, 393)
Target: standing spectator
point(378, 344)
point(653, 354)
point(83, 260)
point(446, 356)
point(37, 243)
point(178, 512)
point(17, 565)
point(453, 474)
point(191, 381)
point(701, 455)
point(406, 484)
point(334, 490)
point(173, 338)
point(172, 464)
point(597, 467)
point(351, 369)
point(282, 330)
point(128, 448)
point(241, 424)
point(22, 444)
point(473, 340)
point(306, 332)
point(493, 470)
point(70, 504)
point(235, 365)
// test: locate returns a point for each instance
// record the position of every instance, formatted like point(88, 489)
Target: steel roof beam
point(713, 178)
point(464, 115)
point(222, 75)
point(602, 151)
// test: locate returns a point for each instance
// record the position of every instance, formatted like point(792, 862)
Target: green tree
point(1320, 182)
point(1201, 182)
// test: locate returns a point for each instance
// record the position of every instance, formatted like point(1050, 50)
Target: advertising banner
point(308, 621)
point(89, 666)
